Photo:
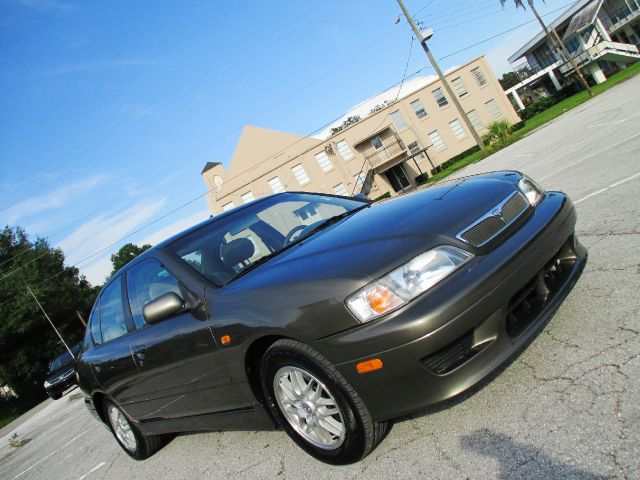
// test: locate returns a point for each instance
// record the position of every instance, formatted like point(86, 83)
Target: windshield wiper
point(330, 221)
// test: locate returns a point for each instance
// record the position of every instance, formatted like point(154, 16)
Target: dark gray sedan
point(327, 316)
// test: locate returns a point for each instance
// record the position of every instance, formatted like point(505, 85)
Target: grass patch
point(540, 119)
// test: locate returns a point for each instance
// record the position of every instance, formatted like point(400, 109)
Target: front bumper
point(463, 329)
point(57, 388)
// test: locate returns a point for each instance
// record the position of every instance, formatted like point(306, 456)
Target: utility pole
point(54, 327)
point(559, 45)
point(445, 83)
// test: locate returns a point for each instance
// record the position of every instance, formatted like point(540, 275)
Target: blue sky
point(109, 110)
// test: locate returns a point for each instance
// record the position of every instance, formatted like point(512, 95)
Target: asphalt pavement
point(566, 408)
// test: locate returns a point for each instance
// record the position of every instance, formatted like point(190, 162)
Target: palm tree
point(555, 41)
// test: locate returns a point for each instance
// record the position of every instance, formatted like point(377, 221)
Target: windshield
point(224, 249)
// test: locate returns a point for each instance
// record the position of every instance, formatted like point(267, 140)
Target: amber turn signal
point(225, 339)
point(369, 365)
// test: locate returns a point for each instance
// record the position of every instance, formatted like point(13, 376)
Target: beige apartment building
point(382, 153)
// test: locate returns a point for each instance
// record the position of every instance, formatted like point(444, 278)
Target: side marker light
point(369, 365)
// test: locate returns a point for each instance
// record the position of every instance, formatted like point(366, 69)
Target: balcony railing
point(598, 50)
point(386, 153)
point(620, 17)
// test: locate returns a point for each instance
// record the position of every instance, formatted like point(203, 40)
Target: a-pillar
point(554, 80)
point(596, 72)
point(518, 100)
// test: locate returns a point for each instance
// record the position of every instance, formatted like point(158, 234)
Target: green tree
point(127, 253)
point(27, 341)
point(509, 79)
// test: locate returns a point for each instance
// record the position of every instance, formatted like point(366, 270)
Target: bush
point(422, 178)
point(454, 159)
point(382, 197)
point(498, 134)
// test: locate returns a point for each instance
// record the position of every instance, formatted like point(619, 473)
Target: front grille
point(492, 223)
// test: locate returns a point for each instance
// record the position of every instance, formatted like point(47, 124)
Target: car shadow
point(520, 460)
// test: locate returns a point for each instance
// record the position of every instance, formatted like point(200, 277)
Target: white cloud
point(57, 198)
point(363, 108)
point(98, 271)
point(176, 227)
point(100, 232)
point(98, 268)
point(99, 66)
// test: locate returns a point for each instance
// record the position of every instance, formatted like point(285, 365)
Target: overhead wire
point(230, 62)
point(326, 125)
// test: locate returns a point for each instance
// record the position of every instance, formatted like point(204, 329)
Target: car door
point(180, 368)
point(110, 358)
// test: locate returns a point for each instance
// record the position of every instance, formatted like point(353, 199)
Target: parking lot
point(566, 408)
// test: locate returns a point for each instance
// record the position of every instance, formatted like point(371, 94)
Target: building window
point(440, 98)
point(276, 185)
point(479, 77)
point(344, 149)
point(418, 108)
point(398, 121)
point(359, 179)
point(227, 206)
point(340, 189)
point(248, 197)
point(494, 109)
point(414, 148)
point(457, 129)
point(459, 87)
point(301, 175)
point(324, 162)
point(437, 141)
point(475, 119)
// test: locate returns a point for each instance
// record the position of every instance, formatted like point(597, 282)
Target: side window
point(94, 325)
point(145, 282)
point(112, 323)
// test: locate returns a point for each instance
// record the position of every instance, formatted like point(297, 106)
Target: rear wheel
point(135, 444)
point(316, 406)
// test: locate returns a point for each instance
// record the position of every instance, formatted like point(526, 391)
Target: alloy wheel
point(309, 407)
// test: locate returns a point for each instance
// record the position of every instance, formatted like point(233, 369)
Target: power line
point(270, 156)
point(230, 62)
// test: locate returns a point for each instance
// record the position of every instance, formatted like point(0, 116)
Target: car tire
point(316, 406)
point(55, 396)
point(128, 436)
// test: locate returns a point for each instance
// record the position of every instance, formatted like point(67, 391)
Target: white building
point(603, 37)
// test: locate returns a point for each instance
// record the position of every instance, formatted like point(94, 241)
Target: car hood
point(312, 279)
point(382, 236)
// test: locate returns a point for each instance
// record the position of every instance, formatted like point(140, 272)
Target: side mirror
point(162, 307)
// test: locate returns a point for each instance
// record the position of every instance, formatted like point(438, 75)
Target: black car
point(327, 316)
point(61, 374)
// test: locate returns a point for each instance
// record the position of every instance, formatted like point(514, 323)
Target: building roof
point(208, 166)
point(540, 36)
point(257, 144)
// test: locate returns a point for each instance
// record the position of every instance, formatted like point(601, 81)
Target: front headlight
point(403, 284)
point(47, 384)
point(531, 190)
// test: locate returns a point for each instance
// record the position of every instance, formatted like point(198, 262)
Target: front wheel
point(129, 438)
point(316, 406)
